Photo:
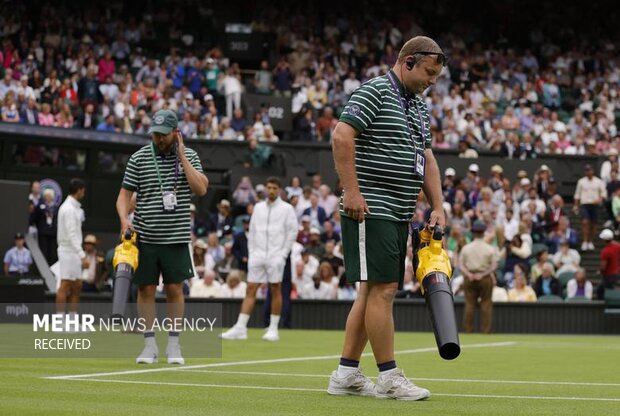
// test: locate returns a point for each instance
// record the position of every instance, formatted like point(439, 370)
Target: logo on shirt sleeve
point(354, 110)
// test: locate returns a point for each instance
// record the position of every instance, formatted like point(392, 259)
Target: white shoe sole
point(334, 391)
point(178, 361)
point(271, 339)
point(406, 398)
point(234, 337)
point(146, 360)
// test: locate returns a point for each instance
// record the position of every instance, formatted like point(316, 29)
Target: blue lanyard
point(404, 106)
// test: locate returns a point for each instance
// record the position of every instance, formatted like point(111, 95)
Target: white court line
point(449, 380)
point(232, 386)
point(277, 360)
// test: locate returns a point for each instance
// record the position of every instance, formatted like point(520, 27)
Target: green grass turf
point(577, 359)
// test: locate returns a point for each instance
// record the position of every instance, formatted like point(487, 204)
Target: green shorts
point(172, 261)
point(374, 250)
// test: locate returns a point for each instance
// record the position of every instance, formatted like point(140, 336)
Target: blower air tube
point(440, 304)
point(122, 284)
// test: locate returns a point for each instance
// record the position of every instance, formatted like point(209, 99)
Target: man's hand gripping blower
point(434, 272)
point(125, 263)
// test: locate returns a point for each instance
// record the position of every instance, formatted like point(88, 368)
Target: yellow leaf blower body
point(125, 263)
point(434, 273)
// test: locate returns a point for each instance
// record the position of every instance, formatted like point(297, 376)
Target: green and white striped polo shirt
point(384, 151)
point(153, 225)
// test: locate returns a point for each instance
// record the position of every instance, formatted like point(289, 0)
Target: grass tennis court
point(495, 375)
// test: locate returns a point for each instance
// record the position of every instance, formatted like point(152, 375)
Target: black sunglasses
point(441, 58)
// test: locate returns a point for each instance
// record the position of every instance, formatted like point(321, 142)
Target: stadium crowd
point(80, 68)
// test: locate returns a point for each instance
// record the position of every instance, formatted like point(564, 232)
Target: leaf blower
point(434, 272)
point(125, 263)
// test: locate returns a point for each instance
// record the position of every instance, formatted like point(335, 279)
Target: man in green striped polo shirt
point(382, 152)
point(164, 174)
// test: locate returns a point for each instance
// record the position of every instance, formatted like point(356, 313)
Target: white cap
point(525, 181)
point(192, 207)
point(208, 97)
point(450, 172)
point(315, 231)
point(474, 167)
point(606, 234)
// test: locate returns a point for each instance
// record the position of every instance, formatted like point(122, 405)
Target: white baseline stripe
point(277, 360)
point(232, 386)
point(447, 380)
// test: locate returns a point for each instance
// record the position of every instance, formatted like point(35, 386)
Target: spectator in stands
point(207, 287)
point(269, 136)
point(17, 260)
point(563, 232)
point(214, 248)
point(258, 156)
point(333, 259)
point(240, 245)
point(566, 258)
point(238, 122)
point(329, 233)
point(327, 200)
point(95, 276)
point(542, 257)
point(283, 77)
point(45, 218)
point(197, 224)
point(263, 79)
point(516, 252)
point(315, 246)
point(30, 114)
point(316, 213)
point(231, 89)
point(579, 286)
point(609, 266)
point(521, 292)
point(323, 286)
point(589, 196)
point(228, 263)
point(234, 288)
point(88, 118)
point(306, 267)
point(294, 188)
point(325, 125)
point(9, 111)
point(547, 283)
point(243, 195)
point(108, 125)
point(221, 222)
point(478, 262)
point(88, 89)
point(188, 127)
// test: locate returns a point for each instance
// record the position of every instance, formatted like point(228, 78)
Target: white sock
point(150, 340)
point(173, 339)
point(242, 321)
point(273, 322)
point(344, 370)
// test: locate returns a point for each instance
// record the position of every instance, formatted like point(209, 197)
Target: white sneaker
point(149, 355)
point(235, 332)
point(353, 384)
point(173, 352)
point(271, 335)
point(584, 246)
point(394, 385)
point(591, 246)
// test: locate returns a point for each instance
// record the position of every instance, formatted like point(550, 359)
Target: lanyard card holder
point(170, 201)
